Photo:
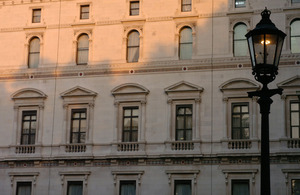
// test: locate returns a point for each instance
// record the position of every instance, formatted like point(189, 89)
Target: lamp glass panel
point(258, 48)
point(278, 51)
point(270, 43)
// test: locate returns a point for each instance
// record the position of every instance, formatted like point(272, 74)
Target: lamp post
point(265, 45)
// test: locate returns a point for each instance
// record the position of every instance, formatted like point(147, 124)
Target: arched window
point(240, 47)
point(34, 53)
point(185, 43)
point(295, 36)
point(133, 46)
point(83, 49)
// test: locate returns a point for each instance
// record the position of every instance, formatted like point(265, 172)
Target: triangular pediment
point(183, 86)
point(290, 83)
point(129, 88)
point(28, 93)
point(239, 84)
point(78, 91)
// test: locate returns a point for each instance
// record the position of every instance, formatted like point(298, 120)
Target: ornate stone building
point(142, 97)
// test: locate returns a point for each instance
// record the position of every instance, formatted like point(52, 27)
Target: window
point(130, 124)
point(295, 119)
point(240, 121)
point(29, 120)
point(84, 12)
point(240, 3)
point(34, 53)
point(83, 49)
point(183, 187)
point(184, 120)
point(75, 188)
point(127, 187)
point(295, 36)
point(23, 188)
point(240, 46)
point(295, 1)
point(78, 126)
point(134, 8)
point(240, 187)
point(133, 46)
point(186, 5)
point(36, 15)
point(295, 186)
point(185, 43)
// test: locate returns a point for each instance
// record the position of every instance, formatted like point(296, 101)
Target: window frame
point(235, 181)
point(132, 9)
point(122, 182)
point(34, 16)
point(74, 176)
point(70, 182)
point(290, 114)
point(185, 106)
point(131, 131)
point(16, 177)
point(186, 4)
point(132, 175)
point(83, 13)
point(181, 44)
point(240, 6)
point(176, 182)
point(23, 183)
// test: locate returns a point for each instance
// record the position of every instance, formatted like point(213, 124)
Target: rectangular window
point(240, 121)
point(239, 187)
point(23, 188)
point(78, 125)
point(36, 15)
point(183, 187)
point(84, 12)
point(186, 5)
point(127, 187)
point(240, 3)
point(29, 120)
point(295, 119)
point(295, 186)
point(184, 120)
point(295, 1)
point(130, 124)
point(134, 8)
point(75, 188)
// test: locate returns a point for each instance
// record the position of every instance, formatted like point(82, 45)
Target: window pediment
point(290, 83)
point(238, 87)
point(78, 91)
point(28, 93)
point(129, 88)
point(184, 90)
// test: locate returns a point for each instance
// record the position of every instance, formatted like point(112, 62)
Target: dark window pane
point(183, 187)
point(186, 5)
point(78, 126)
point(130, 124)
point(84, 11)
point(295, 186)
point(240, 121)
point(28, 131)
point(240, 187)
point(23, 188)
point(36, 15)
point(127, 187)
point(75, 188)
point(34, 53)
point(184, 122)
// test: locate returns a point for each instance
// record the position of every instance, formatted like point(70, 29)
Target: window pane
point(240, 187)
point(189, 122)
point(36, 15)
point(295, 106)
point(127, 187)
point(84, 12)
point(134, 136)
point(34, 53)
point(135, 123)
point(189, 135)
point(295, 36)
point(133, 46)
point(127, 123)
point(240, 3)
point(236, 121)
point(240, 42)
point(180, 135)
point(23, 188)
point(295, 118)
point(295, 132)
point(186, 43)
point(75, 188)
point(134, 8)
point(295, 186)
point(180, 122)
point(295, 1)
point(186, 5)
point(83, 49)
point(183, 187)
point(82, 137)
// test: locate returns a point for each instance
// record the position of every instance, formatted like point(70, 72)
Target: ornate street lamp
point(265, 45)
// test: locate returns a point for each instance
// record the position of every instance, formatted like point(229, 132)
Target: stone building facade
point(142, 97)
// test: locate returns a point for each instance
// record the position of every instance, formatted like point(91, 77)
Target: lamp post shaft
point(265, 104)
